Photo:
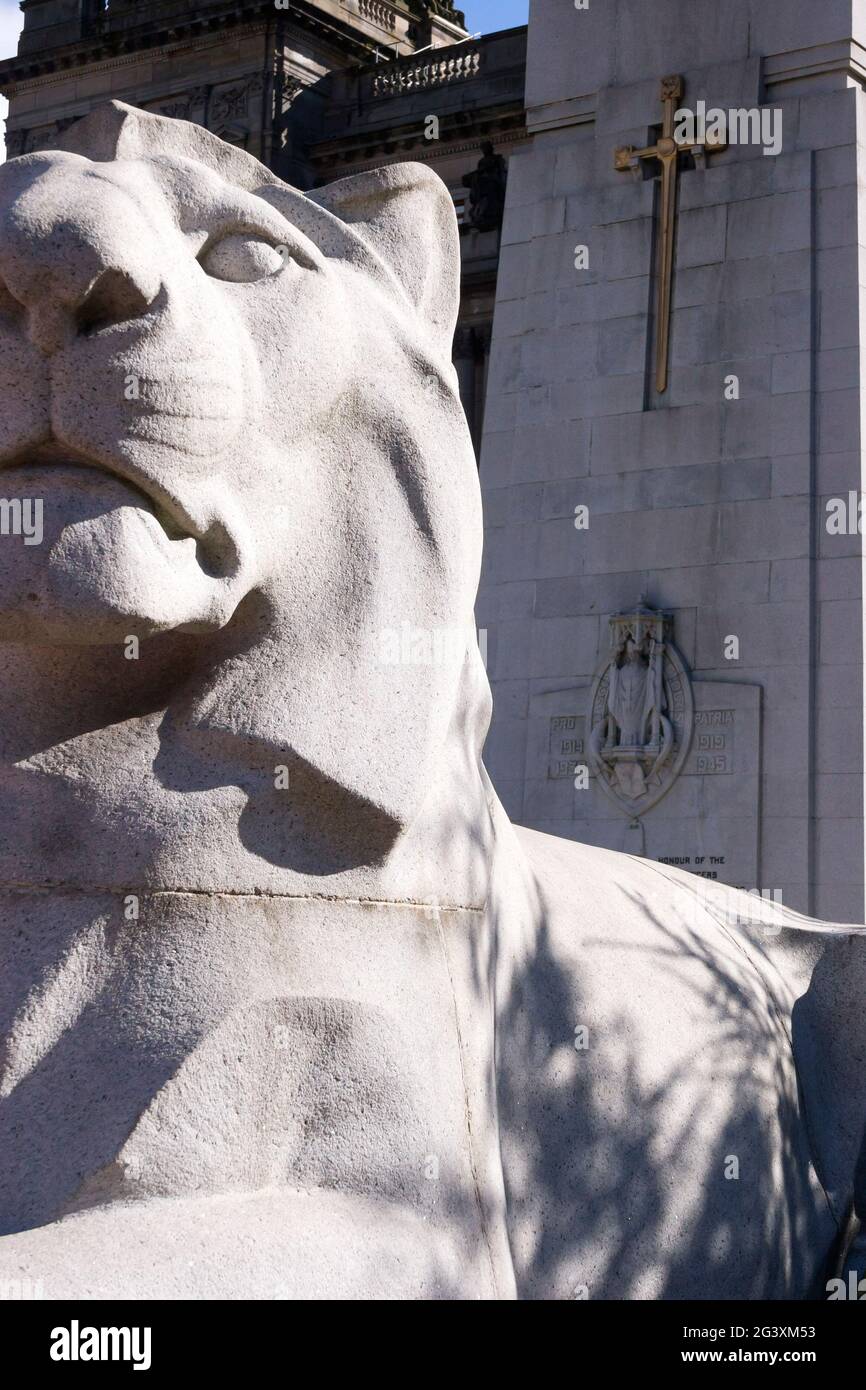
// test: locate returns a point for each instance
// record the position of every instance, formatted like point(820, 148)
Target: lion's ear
point(405, 215)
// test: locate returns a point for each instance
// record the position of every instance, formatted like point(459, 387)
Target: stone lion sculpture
point(289, 1008)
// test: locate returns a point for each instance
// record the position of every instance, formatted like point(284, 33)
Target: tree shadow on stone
point(620, 1166)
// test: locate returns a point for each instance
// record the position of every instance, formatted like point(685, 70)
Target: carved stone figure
point(642, 712)
point(486, 186)
point(631, 698)
point(289, 1008)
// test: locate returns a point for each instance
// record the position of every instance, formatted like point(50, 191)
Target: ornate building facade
point(316, 89)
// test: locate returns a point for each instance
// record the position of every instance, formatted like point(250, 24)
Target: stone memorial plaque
point(707, 822)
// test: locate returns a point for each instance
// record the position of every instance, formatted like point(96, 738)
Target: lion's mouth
point(81, 470)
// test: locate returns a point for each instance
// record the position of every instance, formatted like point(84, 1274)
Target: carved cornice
point(844, 59)
point(231, 104)
point(108, 44)
point(58, 74)
point(335, 163)
point(117, 46)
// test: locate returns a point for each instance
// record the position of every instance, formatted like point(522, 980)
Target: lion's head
point(236, 405)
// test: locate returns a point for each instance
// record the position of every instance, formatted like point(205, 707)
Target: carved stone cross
point(666, 151)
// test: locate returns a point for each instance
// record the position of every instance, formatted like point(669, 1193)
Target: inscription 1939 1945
point(714, 741)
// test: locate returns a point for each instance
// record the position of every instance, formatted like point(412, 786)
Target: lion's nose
point(74, 257)
point(114, 297)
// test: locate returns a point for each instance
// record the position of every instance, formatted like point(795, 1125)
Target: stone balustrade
point(413, 76)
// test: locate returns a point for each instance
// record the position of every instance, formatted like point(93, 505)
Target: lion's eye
point(242, 258)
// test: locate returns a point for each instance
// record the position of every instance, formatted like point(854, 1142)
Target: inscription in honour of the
point(641, 712)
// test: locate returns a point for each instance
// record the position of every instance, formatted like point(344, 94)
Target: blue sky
point(485, 15)
point(11, 20)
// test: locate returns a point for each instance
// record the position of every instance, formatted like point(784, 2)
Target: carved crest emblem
point(642, 712)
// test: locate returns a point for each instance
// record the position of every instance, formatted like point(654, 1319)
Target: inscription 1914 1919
point(567, 745)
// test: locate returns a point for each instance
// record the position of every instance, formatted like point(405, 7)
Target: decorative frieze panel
point(177, 110)
point(233, 103)
point(180, 106)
